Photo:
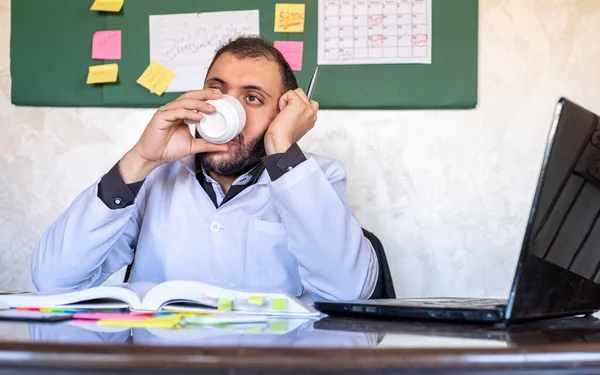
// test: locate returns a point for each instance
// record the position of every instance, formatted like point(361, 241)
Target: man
point(254, 213)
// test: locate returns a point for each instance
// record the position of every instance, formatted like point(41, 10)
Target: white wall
point(448, 192)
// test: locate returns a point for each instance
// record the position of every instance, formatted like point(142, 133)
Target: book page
point(186, 43)
point(97, 297)
point(140, 288)
point(374, 32)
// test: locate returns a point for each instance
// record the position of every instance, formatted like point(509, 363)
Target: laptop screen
point(559, 267)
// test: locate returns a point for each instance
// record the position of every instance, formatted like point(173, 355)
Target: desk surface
point(331, 345)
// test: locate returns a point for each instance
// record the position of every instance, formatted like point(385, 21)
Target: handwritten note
point(156, 78)
point(289, 18)
point(186, 43)
point(107, 5)
point(292, 51)
point(106, 45)
point(103, 73)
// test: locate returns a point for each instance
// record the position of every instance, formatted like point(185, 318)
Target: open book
point(170, 295)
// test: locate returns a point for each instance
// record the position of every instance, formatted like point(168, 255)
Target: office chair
point(385, 285)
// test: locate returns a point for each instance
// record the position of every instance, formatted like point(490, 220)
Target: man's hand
point(167, 137)
point(298, 115)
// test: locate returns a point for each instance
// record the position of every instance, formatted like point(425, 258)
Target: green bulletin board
point(51, 51)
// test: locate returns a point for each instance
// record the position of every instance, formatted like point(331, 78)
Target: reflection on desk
point(330, 345)
point(329, 332)
point(293, 333)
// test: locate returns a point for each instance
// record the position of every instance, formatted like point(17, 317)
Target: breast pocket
point(269, 264)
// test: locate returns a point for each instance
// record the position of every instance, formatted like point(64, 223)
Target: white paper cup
point(226, 123)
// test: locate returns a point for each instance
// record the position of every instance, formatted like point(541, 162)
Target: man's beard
point(246, 157)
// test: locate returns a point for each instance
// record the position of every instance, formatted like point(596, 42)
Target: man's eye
point(253, 99)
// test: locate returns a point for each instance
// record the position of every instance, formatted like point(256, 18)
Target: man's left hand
point(296, 117)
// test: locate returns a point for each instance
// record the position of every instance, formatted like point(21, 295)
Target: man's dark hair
point(253, 47)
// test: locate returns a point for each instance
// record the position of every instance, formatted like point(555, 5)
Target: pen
point(311, 84)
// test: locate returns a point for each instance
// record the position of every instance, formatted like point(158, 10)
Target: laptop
point(558, 271)
point(546, 331)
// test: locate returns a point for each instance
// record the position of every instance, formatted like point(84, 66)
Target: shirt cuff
point(114, 192)
point(279, 164)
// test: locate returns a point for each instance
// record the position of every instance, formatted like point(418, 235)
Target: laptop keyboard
point(448, 302)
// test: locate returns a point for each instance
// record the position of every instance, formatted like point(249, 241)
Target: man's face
point(256, 83)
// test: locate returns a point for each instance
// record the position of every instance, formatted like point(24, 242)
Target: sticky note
point(224, 304)
point(278, 327)
point(254, 330)
point(111, 316)
point(289, 18)
point(107, 5)
point(279, 304)
point(106, 73)
point(255, 300)
point(162, 322)
point(106, 45)
point(156, 78)
point(292, 52)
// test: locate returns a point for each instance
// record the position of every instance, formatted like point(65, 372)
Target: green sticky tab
point(255, 300)
point(278, 327)
point(255, 330)
point(224, 304)
point(279, 304)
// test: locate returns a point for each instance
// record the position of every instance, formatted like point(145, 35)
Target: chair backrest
point(385, 285)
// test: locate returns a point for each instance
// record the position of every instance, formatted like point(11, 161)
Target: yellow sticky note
point(289, 18)
point(279, 304)
point(225, 304)
point(255, 300)
point(107, 5)
point(254, 330)
point(161, 322)
point(156, 78)
point(278, 327)
point(106, 73)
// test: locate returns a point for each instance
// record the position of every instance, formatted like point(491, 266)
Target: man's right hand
point(167, 137)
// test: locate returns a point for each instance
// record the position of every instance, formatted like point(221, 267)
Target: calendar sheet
point(374, 32)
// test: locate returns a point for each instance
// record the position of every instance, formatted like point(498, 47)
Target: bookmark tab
point(255, 300)
point(279, 304)
point(103, 73)
point(278, 327)
point(224, 304)
point(107, 5)
point(162, 322)
point(156, 78)
point(62, 310)
point(111, 316)
point(289, 18)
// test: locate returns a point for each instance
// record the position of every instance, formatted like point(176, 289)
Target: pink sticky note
point(106, 45)
point(292, 51)
point(110, 316)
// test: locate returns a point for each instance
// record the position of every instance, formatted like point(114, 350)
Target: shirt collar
point(253, 176)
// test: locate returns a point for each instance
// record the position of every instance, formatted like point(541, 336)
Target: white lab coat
point(296, 234)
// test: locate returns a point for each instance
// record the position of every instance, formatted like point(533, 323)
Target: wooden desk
point(330, 346)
